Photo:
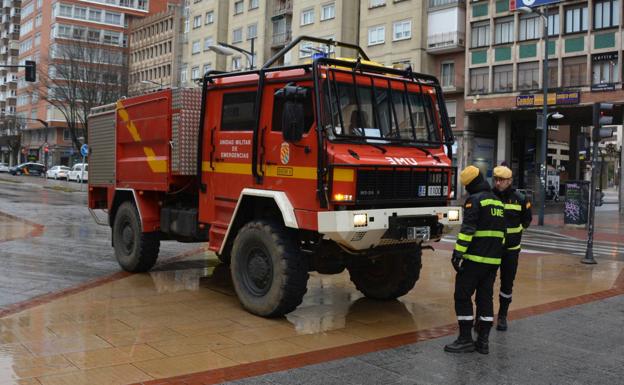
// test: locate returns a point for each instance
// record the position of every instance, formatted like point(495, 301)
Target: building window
point(447, 74)
point(451, 109)
point(183, 74)
point(576, 19)
point(196, 47)
point(376, 35)
point(208, 41)
point(237, 35)
point(528, 76)
point(376, 3)
point(553, 73)
point(253, 4)
point(480, 34)
point(239, 7)
point(553, 23)
point(606, 13)
point(605, 68)
point(209, 17)
point(307, 16)
point(207, 67)
point(197, 21)
point(195, 73)
point(479, 80)
point(236, 63)
point(328, 11)
point(402, 30)
point(574, 71)
point(529, 28)
point(503, 78)
point(252, 31)
point(504, 31)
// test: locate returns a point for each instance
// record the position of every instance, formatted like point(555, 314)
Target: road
point(69, 247)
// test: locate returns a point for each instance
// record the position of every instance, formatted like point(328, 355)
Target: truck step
point(217, 234)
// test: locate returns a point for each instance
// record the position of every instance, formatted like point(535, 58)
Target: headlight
point(360, 220)
point(453, 215)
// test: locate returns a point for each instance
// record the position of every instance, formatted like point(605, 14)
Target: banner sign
point(514, 4)
point(554, 99)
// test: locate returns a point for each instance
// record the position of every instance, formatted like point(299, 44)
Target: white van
point(77, 174)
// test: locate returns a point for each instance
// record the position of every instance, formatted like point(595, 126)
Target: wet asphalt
point(72, 249)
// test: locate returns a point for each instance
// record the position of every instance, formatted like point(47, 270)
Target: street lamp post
point(544, 137)
point(228, 49)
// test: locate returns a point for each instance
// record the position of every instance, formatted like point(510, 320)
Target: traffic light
point(31, 70)
point(46, 149)
point(603, 116)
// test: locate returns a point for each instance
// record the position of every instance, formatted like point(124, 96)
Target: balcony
point(281, 38)
point(282, 7)
point(436, 4)
point(446, 42)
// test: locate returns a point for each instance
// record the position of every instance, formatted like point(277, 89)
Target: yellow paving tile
point(12, 351)
point(24, 381)
point(113, 356)
point(97, 327)
point(195, 344)
point(113, 375)
point(318, 341)
point(35, 366)
point(207, 327)
point(140, 336)
point(261, 351)
point(66, 345)
point(174, 366)
point(262, 334)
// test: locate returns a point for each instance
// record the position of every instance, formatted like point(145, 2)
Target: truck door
point(290, 167)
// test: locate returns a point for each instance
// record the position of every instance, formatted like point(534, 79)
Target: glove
point(457, 261)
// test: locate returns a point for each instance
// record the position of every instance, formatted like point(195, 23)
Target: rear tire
point(388, 277)
point(269, 273)
point(135, 250)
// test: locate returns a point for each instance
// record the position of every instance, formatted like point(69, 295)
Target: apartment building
point(155, 51)
point(9, 51)
point(92, 32)
point(504, 86)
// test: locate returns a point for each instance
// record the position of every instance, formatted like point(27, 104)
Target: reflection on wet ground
point(13, 228)
point(184, 317)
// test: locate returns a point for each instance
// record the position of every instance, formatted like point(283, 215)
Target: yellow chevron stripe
point(157, 165)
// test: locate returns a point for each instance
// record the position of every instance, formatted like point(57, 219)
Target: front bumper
point(387, 227)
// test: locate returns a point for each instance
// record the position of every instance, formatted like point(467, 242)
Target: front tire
point(135, 250)
point(269, 273)
point(387, 277)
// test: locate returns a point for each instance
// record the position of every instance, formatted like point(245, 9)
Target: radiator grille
point(401, 184)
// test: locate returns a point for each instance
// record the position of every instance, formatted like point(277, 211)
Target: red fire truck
point(332, 165)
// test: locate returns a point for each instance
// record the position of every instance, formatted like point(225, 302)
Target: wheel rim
point(127, 237)
point(257, 271)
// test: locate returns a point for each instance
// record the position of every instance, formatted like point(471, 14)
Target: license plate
point(418, 233)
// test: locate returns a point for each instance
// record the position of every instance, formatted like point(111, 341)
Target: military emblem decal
point(285, 153)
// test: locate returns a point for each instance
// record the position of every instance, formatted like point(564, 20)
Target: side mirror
point(293, 121)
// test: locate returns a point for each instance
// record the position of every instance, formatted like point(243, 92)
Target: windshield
point(379, 110)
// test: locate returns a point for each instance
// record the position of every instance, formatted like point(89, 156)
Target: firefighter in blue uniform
point(476, 258)
point(518, 217)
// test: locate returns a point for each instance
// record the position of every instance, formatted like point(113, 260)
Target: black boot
point(502, 313)
point(482, 344)
point(464, 343)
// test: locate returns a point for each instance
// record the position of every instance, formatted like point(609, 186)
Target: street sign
point(84, 150)
point(515, 4)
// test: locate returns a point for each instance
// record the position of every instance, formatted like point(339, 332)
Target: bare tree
point(78, 76)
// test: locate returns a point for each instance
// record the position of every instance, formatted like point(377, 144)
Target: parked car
point(77, 174)
point(4, 167)
point(28, 168)
point(58, 172)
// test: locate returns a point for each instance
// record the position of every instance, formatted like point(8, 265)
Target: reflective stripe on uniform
point(491, 202)
point(504, 295)
point(464, 237)
point(460, 248)
point(482, 318)
point(514, 248)
point(489, 233)
point(513, 206)
point(488, 260)
point(465, 318)
point(514, 230)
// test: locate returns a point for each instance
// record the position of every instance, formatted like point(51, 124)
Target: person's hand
point(457, 261)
